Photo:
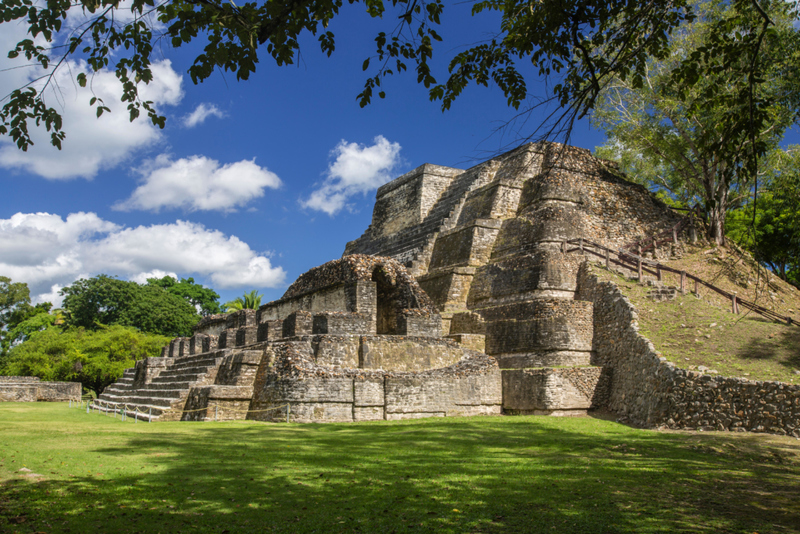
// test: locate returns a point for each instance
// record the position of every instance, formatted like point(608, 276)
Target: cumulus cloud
point(44, 250)
point(91, 144)
point(355, 169)
point(201, 113)
point(141, 278)
point(198, 183)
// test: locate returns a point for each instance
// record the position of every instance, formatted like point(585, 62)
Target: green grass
point(491, 474)
point(692, 331)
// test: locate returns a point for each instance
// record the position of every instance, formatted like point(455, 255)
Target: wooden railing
point(670, 235)
point(635, 262)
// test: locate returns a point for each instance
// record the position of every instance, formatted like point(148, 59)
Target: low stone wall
point(647, 390)
point(31, 389)
point(470, 386)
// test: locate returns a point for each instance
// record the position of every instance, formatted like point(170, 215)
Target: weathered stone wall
point(289, 374)
point(551, 391)
point(647, 390)
point(405, 201)
point(32, 389)
point(18, 393)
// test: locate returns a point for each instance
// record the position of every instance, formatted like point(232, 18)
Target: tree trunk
point(716, 208)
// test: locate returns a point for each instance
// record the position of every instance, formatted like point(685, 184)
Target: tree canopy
point(769, 224)
point(204, 299)
point(684, 141)
point(584, 43)
point(103, 300)
point(95, 358)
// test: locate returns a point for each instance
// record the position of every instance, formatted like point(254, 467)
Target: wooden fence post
point(581, 244)
point(608, 259)
point(674, 235)
point(735, 305)
point(658, 272)
point(563, 247)
point(639, 261)
point(683, 282)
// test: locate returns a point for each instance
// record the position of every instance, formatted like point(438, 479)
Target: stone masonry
point(488, 253)
point(32, 389)
point(459, 299)
point(355, 339)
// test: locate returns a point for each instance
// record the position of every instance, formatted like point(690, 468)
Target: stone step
point(146, 400)
point(663, 293)
point(166, 386)
point(185, 376)
point(206, 363)
point(142, 412)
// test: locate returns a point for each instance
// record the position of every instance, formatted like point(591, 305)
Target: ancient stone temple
point(459, 299)
point(486, 245)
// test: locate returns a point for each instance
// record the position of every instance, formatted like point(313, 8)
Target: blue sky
point(251, 183)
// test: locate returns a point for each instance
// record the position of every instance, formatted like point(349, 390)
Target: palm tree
point(249, 301)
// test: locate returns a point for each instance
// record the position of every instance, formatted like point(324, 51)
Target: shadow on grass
point(463, 475)
point(782, 348)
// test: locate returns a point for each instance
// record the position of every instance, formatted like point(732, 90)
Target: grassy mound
point(693, 331)
point(62, 470)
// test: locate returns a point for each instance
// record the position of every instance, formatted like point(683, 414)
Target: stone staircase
point(164, 397)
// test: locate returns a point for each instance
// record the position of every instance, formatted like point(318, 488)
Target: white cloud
point(141, 278)
point(199, 183)
point(45, 251)
point(200, 114)
point(91, 144)
point(355, 169)
point(53, 296)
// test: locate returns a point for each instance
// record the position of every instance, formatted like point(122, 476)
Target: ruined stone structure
point(487, 250)
point(459, 299)
point(355, 339)
point(32, 389)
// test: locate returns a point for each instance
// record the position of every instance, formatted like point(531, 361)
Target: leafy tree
point(95, 358)
point(682, 141)
point(14, 296)
point(17, 317)
point(249, 301)
point(204, 299)
point(103, 300)
point(769, 225)
point(583, 42)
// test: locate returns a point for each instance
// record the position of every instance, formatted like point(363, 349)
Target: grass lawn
point(91, 472)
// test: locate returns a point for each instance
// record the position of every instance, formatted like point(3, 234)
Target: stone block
point(470, 341)
point(368, 413)
point(549, 390)
point(467, 323)
point(397, 353)
point(341, 323)
point(246, 335)
point(368, 392)
point(336, 351)
point(196, 343)
point(328, 412)
point(464, 246)
point(227, 339)
point(270, 330)
point(299, 323)
point(544, 358)
point(18, 393)
point(419, 325)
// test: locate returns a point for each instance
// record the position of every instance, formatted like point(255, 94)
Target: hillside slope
point(701, 333)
